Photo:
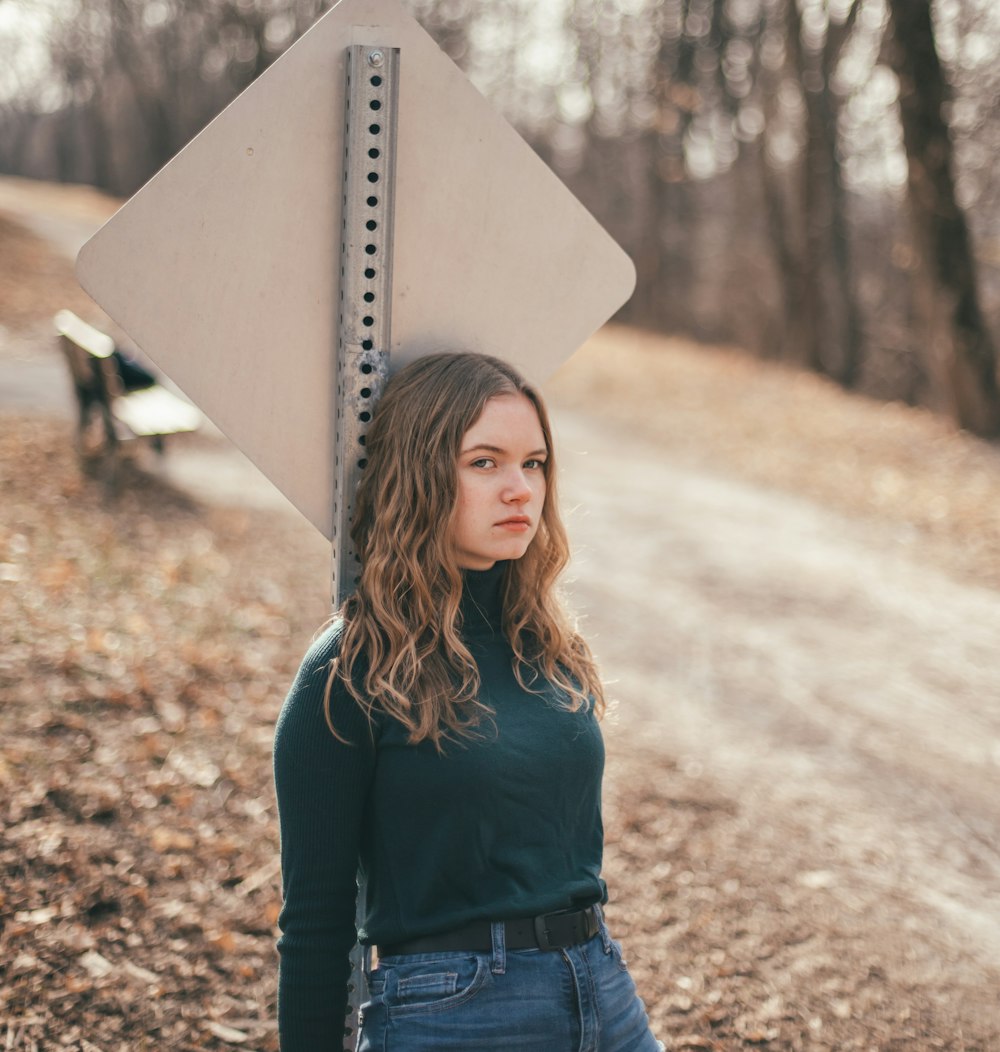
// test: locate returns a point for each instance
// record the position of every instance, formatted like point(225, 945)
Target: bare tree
point(719, 140)
point(962, 356)
point(834, 341)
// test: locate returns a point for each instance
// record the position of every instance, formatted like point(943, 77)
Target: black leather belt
point(550, 931)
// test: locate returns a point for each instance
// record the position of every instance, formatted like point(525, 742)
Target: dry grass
point(908, 470)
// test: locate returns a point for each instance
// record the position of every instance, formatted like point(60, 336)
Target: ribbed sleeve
point(322, 785)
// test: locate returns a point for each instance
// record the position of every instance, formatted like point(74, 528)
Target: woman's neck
point(482, 600)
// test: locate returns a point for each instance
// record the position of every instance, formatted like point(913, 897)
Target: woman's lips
point(516, 524)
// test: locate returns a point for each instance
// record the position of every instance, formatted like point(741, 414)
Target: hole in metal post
point(371, 225)
point(369, 272)
point(365, 417)
point(366, 392)
point(376, 81)
point(367, 367)
point(361, 440)
point(368, 321)
point(362, 463)
point(372, 202)
point(371, 250)
point(374, 152)
point(369, 297)
point(373, 177)
point(374, 128)
point(367, 345)
point(375, 104)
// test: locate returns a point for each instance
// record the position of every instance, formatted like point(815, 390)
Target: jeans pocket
point(432, 986)
point(429, 986)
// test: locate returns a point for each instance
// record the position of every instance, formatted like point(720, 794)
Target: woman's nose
point(517, 490)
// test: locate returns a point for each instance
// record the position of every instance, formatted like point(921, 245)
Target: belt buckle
point(542, 933)
point(569, 933)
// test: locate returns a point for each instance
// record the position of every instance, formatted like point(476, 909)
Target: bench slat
point(85, 336)
point(155, 411)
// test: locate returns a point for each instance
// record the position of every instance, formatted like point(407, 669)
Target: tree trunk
point(834, 328)
point(962, 356)
point(785, 236)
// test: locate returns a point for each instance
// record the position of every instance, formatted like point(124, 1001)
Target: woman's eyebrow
point(497, 449)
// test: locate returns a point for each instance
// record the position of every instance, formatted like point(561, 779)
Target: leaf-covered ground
point(148, 643)
point(147, 646)
point(148, 640)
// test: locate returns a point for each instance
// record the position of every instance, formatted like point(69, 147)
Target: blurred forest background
point(812, 180)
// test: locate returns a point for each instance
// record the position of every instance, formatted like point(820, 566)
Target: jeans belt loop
point(498, 935)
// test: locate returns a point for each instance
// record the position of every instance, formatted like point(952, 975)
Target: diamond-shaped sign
point(225, 267)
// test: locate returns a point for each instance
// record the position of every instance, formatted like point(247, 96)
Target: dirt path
point(65, 217)
point(812, 670)
point(829, 697)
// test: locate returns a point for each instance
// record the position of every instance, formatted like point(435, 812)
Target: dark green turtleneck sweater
point(507, 825)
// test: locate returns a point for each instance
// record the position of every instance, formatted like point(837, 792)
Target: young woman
point(442, 736)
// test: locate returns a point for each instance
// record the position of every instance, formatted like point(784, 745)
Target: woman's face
point(501, 483)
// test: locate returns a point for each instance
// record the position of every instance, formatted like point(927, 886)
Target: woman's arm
point(321, 784)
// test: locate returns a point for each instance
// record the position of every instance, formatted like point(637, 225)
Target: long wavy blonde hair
point(401, 647)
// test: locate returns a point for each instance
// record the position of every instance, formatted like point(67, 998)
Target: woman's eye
point(482, 462)
point(534, 464)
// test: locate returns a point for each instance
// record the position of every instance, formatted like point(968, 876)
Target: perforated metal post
point(364, 329)
point(365, 282)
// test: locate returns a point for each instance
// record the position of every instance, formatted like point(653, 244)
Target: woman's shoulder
point(318, 676)
point(315, 668)
point(324, 648)
point(318, 695)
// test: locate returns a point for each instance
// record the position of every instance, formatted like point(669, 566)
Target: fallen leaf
point(96, 965)
point(226, 1033)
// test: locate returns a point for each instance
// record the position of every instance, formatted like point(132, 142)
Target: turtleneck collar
point(482, 600)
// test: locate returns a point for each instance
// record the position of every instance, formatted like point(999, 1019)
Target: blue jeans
point(580, 999)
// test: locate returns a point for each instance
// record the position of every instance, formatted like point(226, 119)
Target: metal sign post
point(365, 282)
point(364, 331)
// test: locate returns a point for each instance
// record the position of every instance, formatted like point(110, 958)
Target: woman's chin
point(513, 550)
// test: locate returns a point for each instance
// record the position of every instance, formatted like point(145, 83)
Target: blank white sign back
point(225, 267)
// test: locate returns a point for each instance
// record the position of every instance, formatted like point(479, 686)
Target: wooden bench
point(108, 414)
